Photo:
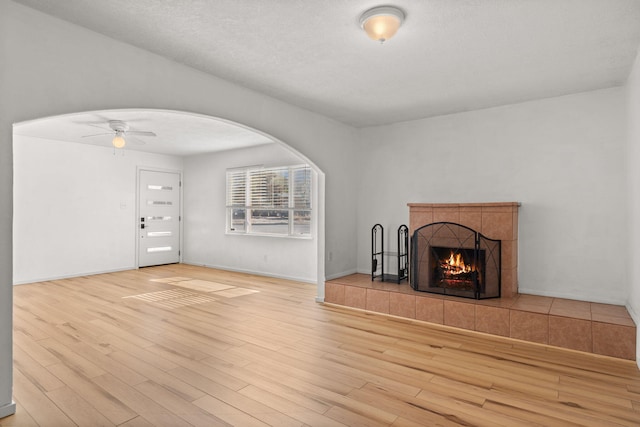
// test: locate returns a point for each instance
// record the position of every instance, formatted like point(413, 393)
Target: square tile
point(501, 302)
point(430, 309)
point(571, 308)
point(471, 217)
point(334, 293)
point(570, 333)
point(528, 326)
point(492, 320)
point(614, 320)
point(570, 313)
point(533, 303)
point(497, 225)
point(571, 304)
point(355, 296)
point(609, 313)
point(614, 340)
point(460, 315)
point(402, 305)
point(377, 301)
point(420, 218)
point(448, 214)
point(609, 309)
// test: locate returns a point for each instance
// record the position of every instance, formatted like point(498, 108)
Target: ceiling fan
point(120, 129)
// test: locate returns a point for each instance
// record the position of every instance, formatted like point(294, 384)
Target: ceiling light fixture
point(382, 22)
point(118, 140)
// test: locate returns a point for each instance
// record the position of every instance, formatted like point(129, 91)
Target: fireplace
point(493, 220)
point(456, 269)
point(452, 259)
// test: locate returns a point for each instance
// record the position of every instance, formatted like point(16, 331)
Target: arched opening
point(75, 194)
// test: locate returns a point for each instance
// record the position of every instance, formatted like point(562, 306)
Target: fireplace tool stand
point(378, 255)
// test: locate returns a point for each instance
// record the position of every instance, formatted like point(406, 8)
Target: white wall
point(206, 242)
point(75, 207)
point(562, 158)
point(51, 67)
point(633, 160)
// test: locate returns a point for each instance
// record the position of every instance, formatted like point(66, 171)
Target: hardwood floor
point(182, 345)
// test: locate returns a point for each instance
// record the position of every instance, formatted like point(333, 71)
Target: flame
point(455, 265)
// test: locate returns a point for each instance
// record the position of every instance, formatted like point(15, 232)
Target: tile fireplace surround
point(492, 220)
point(579, 325)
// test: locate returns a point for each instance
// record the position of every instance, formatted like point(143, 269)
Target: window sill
point(279, 236)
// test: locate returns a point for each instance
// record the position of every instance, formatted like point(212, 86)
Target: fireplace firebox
point(451, 259)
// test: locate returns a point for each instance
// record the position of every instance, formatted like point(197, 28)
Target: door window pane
point(159, 249)
point(159, 233)
point(159, 187)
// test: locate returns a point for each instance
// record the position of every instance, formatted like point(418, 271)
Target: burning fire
point(455, 265)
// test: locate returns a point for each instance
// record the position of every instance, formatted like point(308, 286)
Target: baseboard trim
point(257, 273)
point(342, 274)
point(528, 291)
point(71, 276)
point(8, 409)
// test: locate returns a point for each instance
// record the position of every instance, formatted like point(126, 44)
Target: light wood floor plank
point(20, 419)
point(151, 410)
point(302, 401)
point(228, 413)
point(78, 409)
point(86, 354)
point(37, 404)
point(107, 404)
point(37, 374)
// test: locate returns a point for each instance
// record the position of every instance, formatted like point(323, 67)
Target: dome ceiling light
point(382, 22)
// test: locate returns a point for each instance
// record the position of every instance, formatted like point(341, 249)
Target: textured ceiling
point(449, 56)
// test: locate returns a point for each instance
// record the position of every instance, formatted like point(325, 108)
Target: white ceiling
point(449, 56)
point(180, 134)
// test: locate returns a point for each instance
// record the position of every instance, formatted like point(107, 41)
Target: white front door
point(158, 218)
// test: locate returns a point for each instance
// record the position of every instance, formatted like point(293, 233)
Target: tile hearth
point(590, 327)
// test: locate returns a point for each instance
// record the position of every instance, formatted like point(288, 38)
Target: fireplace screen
point(452, 259)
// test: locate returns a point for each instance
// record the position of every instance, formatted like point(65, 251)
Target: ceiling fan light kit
point(382, 22)
point(119, 130)
point(118, 141)
point(120, 127)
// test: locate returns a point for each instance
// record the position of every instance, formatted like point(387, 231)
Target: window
point(273, 201)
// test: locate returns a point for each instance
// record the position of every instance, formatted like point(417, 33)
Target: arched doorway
point(66, 164)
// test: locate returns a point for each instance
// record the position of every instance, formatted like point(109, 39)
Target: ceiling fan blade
point(135, 140)
point(97, 134)
point(98, 125)
point(140, 133)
